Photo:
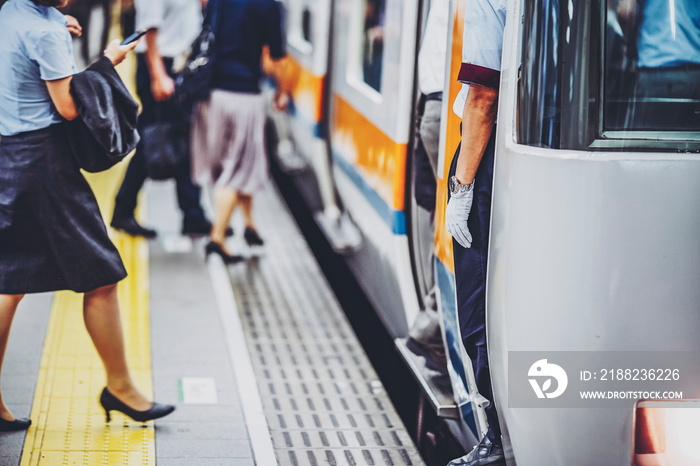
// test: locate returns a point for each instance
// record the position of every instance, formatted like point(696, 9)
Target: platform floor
point(258, 357)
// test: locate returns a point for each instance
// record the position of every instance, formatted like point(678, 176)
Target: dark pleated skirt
point(52, 236)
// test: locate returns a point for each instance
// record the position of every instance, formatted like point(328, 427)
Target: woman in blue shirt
point(52, 236)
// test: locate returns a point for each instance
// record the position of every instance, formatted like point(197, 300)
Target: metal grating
point(323, 401)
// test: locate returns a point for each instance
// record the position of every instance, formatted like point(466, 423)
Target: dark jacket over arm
point(105, 132)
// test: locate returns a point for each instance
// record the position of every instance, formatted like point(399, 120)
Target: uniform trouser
point(470, 277)
point(187, 192)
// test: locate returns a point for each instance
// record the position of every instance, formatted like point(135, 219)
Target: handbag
point(193, 82)
point(165, 145)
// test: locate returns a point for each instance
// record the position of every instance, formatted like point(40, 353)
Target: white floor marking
point(260, 438)
point(198, 390)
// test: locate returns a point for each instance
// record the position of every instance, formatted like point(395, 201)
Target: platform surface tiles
point(258, 358)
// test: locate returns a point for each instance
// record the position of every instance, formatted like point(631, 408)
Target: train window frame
point(634, 139)
point(295, 36)
point(354, 75)
point(581, 109)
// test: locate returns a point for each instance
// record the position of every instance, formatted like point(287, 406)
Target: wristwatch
point(456, 188)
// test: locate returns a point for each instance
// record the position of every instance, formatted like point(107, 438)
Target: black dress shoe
point(484, 454)
point(110, 402)
point(12, 426)
point(252, 237)
point(215, 248)
point(130, 226)
point(200, 228)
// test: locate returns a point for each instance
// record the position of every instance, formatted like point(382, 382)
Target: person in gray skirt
point(228, 130)
point(52, 236)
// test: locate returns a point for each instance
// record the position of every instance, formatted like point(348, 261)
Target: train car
point(594, 215)
point(593, 245)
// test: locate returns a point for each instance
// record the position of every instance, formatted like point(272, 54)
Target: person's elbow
point(62, 99)
point(483, 98)
point(68, 112)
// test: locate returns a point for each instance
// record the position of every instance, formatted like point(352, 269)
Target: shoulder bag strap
point(214, 15)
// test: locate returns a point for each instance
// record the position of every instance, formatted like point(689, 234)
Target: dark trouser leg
point(128, 192)
point(188, 198)
point(470, 276)
point(188, 193)
point(136, 173)
point(480, 363)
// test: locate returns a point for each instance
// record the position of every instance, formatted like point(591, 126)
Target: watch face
point(452, 185)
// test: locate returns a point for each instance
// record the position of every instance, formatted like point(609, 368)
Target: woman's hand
point(74, 26)
point(117, 52)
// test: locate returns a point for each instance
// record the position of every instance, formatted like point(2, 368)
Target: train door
point(459, 366)
point(372, 98)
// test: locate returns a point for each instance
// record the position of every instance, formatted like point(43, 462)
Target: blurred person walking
point(52, 236)
point(172, 26)
point(228, 131)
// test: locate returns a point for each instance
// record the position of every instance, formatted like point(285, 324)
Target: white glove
point(456, 217)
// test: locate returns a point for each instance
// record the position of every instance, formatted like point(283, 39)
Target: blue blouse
point(35, 46)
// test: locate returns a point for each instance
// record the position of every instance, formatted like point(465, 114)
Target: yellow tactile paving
point(69, 425)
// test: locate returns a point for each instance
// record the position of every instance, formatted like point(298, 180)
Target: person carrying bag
point(172, 26)
point(194, 82)
point(52, 236)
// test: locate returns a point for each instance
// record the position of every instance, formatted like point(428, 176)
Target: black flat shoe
point(130, 226)
point(110, 402)
point(12, 426)
point(252, 237)
point(215, 248)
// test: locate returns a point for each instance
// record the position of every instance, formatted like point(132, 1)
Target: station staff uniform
point(484, 24)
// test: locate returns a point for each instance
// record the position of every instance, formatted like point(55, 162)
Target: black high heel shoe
point(12, 426)
point(215, 248)
point(110, 402)
point(252, 237)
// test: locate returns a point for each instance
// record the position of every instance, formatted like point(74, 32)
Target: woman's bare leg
point(225, 200)
point(103, 323)
point(8, 306)
point(246, 201)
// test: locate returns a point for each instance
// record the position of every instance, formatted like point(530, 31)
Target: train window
point(610, 74)
point(373, 42)
point(306, 24)
point(652, 74)
point(300, 26)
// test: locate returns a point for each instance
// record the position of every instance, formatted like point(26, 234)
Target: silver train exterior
point(594, 224)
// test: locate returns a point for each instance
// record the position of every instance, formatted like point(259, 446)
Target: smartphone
point(134, 37)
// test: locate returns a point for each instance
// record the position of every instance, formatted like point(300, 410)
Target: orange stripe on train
point(306, 89)
point(443, 240)
point(381, 160)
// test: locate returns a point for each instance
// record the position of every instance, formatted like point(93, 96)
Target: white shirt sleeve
point(149, 14)
point(482, 42)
